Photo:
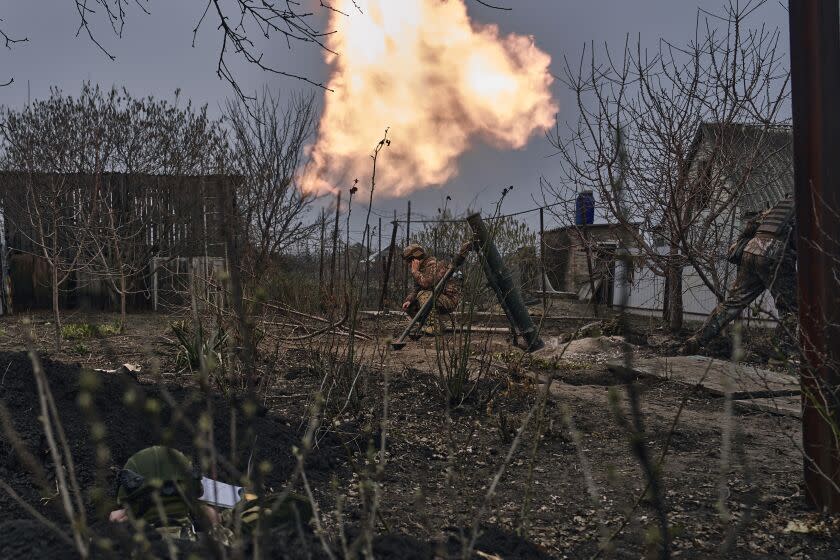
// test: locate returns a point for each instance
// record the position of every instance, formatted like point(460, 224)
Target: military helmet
point(413, 251)
point(163, 470)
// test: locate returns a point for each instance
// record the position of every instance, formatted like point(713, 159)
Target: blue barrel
point(585, 209)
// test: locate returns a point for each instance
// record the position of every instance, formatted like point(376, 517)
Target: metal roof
point(763, 153)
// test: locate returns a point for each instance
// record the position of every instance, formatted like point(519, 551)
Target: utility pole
point(815, 90)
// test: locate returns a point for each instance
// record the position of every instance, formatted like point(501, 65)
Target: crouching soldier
point(160, 488)
point(765, 254)
point(427, 271)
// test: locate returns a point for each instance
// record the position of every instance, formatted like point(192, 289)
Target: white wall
point(647, 296)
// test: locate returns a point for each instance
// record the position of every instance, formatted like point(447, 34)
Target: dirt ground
point(575, 488)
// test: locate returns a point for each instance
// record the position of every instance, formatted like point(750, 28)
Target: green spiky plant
point(193, 345)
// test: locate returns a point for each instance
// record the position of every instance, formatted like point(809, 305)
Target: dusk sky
point(155, 56)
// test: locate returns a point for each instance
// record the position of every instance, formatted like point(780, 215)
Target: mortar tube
point(501, 280)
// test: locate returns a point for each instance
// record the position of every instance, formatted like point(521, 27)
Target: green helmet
point(413, 251)
point(163, 471)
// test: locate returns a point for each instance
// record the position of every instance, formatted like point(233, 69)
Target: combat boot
point(690, 346)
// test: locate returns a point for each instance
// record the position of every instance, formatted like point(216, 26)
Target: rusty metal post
point(815, 89)
point(542, 261)
point(385, 277)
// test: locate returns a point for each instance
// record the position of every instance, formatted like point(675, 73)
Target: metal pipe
point(815, 90)
point(501, 280)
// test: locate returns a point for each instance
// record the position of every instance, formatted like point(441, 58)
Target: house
point(752, 165)
point(573, 254)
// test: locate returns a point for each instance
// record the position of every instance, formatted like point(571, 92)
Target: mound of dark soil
point(23, 539)
point(135, 416)
point(492, 540)
point(509, 545)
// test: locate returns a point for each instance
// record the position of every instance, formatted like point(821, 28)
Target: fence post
point(321, 258)
point(379, 254)
point(334, 245)
point(394, 286)
point(407, 241)
point(366, 241)
point(542, 261)
point(390, 258)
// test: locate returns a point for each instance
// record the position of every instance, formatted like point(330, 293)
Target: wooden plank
point(783, 406)
point(556, 295)
point(743, 380)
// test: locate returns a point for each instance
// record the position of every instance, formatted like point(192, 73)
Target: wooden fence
point(153, 218)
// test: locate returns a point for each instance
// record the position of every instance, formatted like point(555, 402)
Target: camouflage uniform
point(768, 262)
point(159, 486)
point(431, 271)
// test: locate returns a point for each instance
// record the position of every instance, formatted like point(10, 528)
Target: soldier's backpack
point(778, 221)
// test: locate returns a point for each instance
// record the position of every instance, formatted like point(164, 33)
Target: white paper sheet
point(220, 494)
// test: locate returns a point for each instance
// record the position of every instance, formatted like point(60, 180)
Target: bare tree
point(52, 145)
point(245, 28)
point(10, 41)
point(672, 141)
point(149, 137)
point(88, 163)
point(267, 150)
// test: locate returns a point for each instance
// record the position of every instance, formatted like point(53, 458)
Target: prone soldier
point(160, 487)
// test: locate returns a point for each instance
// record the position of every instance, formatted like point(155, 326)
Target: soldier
point(159, 486)
point(427, 271)
point(765, 253)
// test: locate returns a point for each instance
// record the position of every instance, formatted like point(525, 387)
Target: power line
point(426, 220)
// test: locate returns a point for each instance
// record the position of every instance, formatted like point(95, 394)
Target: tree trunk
point(56, 310)
point(673, 293)
point(122, 300)
point(593, 295)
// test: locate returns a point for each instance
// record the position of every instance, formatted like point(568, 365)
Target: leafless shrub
point(267, 144)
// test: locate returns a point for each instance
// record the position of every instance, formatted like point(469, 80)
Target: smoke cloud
point(437, 80)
